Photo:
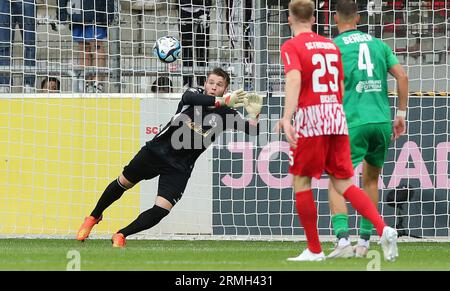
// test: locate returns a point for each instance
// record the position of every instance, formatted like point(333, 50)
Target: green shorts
point(370, 142)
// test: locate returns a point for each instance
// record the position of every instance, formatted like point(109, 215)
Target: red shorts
point(330, 153)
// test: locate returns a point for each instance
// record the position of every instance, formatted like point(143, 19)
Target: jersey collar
point(351, 30)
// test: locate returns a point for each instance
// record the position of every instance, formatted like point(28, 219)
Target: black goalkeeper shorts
point(146, 165)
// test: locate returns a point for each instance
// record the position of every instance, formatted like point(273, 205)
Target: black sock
point(113, 192)
point(145, 220)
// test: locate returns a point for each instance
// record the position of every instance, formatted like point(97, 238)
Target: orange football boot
point(86, 227)
point(118, 240)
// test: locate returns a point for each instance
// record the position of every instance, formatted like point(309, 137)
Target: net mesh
point(81, 91)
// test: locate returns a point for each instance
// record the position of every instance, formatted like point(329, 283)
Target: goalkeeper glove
point(253, 104)
point(234, 99)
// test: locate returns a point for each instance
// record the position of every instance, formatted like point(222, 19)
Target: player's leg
point(359, 200)
point(307, 213)
point(378, 137)
point(89, 38)
point(338, 208)
point(339, 220)
point(145, 220)
point(308, 160)
point(138, 169)
point(170, 191)
point(5, 45)
point(29, 40)
point(201, 45)
point(339, 166)
point(78, 37)
point(112, 193)
point(101, 35)
point(100, 56)
point(79, 51)
point(89, 62)
point(186, 39)
point(362, 203)
point(370, 177)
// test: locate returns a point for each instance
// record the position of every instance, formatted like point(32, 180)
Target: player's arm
point(396, 70)
point(402, 86)
point(250, 125)
point(253, 104)
point(400, 75)
point(234, 99)
point(194, 97)
point(292, 69)
point(292, 91)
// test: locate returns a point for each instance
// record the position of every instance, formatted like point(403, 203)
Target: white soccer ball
point(167, 49)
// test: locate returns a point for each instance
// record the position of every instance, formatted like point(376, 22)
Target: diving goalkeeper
point(202, 114)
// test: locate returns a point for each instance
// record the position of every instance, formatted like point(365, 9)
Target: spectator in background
point(162, 85)
point(21, 13)
point(90, 20)
point(194, 28)
point(51, 85)
point(240, 30)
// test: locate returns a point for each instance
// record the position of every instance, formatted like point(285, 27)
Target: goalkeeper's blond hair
point(301, 10)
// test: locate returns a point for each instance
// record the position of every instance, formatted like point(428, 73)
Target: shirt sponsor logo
point(368, 86)
point(198, 128)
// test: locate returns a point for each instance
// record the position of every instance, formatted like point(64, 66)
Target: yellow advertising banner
point(57, 155)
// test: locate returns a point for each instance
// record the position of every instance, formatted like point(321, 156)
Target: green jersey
point(366, 62)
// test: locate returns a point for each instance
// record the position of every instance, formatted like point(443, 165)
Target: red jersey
point(319, 110)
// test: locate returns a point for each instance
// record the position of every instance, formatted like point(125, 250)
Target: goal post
point(73, 114)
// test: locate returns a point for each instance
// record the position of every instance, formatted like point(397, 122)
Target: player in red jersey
point(319, 137)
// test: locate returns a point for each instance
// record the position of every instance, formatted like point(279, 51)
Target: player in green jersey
point(367, 61)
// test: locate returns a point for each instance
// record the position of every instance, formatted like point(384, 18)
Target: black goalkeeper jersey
point(196, 125)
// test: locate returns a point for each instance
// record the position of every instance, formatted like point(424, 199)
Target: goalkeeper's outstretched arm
point(253, 105)
point(195, 97)
point(233, 99)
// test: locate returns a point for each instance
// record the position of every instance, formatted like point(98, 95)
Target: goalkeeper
point(202, 114)
point(366, 61)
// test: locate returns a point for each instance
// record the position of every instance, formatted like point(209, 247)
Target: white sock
point(343, 242)
point(363, 243)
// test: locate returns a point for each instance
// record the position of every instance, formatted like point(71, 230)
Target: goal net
point(77, 101)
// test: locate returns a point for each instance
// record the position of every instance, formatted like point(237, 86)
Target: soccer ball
point(167, 49)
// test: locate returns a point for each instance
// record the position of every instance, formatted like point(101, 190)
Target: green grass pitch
point(54, 254)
